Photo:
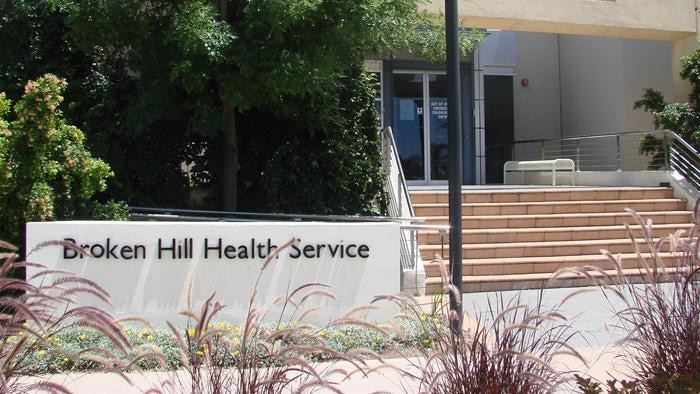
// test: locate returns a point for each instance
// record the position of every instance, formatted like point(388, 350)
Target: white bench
point(553, 166)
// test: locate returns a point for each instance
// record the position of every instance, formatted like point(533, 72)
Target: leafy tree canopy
point(218, 85)
point(233, 56)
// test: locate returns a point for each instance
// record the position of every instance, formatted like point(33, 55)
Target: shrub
point(46, 172)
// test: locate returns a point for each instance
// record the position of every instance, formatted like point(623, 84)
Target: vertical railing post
point(667, 152)
point(399, 199)
point(578, 155)
point(542, 150)
point(619, 155)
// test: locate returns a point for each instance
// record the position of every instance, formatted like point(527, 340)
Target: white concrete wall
point(646, 19)
point(582, 85)
point(592, 85)
point(537, 105)
point(585, 85)
point(646, 64)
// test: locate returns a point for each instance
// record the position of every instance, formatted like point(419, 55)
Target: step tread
point(532, 277)
point(558, 215)
point(544, 203)
point(558, 229)
point(544, 189)
point(535, 244)
point(544, 259)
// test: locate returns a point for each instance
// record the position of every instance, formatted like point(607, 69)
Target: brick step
point(562, 220)
point(538, 249)
point(503, 235)
point(552, 207)
point(473, 284)
point(536, 265)
point(545, 194)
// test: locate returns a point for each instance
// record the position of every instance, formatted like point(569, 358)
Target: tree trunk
point(231, 163)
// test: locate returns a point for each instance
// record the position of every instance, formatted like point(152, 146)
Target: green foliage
point(323, 155)
point(50, 356)
point(681, 118)
point(45, 170)
point(588, 386)
point(189, 62)
point(160, 73)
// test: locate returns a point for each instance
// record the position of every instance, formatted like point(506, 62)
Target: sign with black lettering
point(147, 266)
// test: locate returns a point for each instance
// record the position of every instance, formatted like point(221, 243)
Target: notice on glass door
point(438, 107)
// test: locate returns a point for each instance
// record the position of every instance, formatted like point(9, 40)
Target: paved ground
point(590, 314)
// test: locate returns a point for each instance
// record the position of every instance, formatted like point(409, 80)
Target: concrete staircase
point(516, 238)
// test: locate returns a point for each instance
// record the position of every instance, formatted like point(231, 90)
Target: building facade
point(543, 71)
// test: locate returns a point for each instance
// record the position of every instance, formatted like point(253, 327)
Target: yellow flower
point(65, 359)
point(378, 338)
point(426, 341)
point(150, 337)
point(236, 353)
point(57, 339)
point(25, 324)
point(323, 333)
point(200, 353)
point(41, 353)
point(83, 336)
point(222, 325)
point(422, 317)
point(128, 331)
point(191, 331)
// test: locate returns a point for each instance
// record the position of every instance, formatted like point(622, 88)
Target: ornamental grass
point(510, 350)
point(33, 316)
point(661, 313)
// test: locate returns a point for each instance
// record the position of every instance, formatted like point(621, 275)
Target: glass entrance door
point(437, 124)
point(420, 130)
point(409, 125)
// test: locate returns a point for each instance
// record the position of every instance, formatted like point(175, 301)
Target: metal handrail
point(592, 136)
point(684, 144)
point(403, 187)
point(677, 154)
point(207, 215)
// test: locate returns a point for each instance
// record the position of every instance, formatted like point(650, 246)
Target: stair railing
point(684, 159)
point(666, 150)
point(399, 206)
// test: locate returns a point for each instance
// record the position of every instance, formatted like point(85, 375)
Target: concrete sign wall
point(147, 266)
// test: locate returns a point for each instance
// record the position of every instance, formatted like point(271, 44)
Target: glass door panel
point(409, 124)
point(437, 90)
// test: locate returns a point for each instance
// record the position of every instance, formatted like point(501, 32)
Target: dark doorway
point(499, 124)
